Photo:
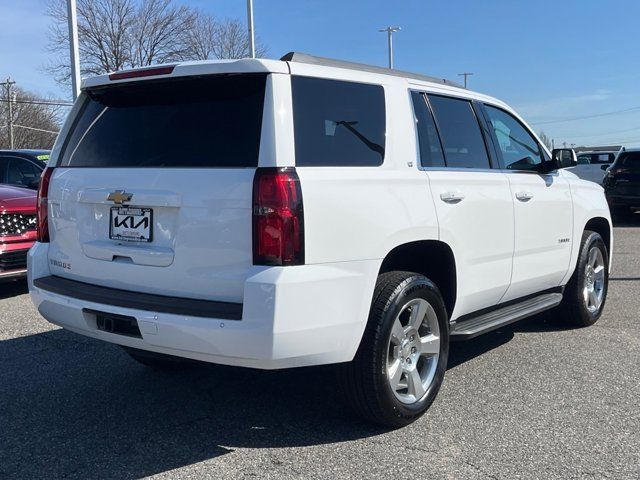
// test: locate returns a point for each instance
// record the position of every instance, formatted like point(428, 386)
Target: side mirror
point(605, 167)
point(564, 157)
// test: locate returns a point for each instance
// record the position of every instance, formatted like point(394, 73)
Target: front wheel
point(586, 292)
point(402, 358)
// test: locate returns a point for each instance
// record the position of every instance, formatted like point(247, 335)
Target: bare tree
point(546, 140)
point(34, 126)
point(118, 34)
point(159, 32)
point(104, 31)
point(213, 39)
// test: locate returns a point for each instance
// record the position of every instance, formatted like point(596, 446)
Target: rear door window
point(429, 147)
point(459, 129)
point(212, 121)
point(337, 123)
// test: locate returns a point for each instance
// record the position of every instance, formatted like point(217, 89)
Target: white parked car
point(274, 214)
point(593, 166)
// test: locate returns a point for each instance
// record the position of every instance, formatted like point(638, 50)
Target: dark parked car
point(17, 230)
point(622, 181)
point(22, 168)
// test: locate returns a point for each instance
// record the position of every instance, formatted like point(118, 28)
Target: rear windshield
point(630, 161)
point(338, 124)
point(212, 121)
point(595, 158)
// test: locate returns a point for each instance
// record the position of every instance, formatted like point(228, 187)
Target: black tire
point(573, 307)
point(365, 381)
point(157, 361)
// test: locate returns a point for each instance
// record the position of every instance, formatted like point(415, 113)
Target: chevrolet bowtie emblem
point(120, 196)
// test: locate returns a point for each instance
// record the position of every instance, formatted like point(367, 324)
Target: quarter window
point(338, 123)
point(429, 147)
point(520, 150)
point(460, 133)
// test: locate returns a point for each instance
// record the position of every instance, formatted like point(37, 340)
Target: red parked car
point(17, 230)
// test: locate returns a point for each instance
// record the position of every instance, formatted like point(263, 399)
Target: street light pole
point(390, 31)
point(252, 42)
point(72, 17)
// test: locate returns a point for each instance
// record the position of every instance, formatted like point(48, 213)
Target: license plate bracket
point(131, 224)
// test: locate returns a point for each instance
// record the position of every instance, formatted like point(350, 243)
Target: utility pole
point(390, 31)
point(465, 75)
point(7, 84)
point(252, 41)
point(72, 16)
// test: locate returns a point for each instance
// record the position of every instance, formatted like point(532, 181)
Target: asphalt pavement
point(535, 400)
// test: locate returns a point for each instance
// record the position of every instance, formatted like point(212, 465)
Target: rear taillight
point(278, 222)
point(42, 224)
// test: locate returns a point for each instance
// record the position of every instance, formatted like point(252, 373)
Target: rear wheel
point(586, 292)
point(155, 360)
point(402, 357)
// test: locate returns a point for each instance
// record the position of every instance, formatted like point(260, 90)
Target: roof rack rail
point(329, 62)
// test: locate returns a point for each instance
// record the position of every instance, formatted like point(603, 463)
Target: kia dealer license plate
point(131, 224)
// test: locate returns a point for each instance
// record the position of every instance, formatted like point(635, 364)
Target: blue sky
point(551, 60)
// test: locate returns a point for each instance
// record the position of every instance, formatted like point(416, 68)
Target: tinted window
point(520, 150)
point(338, 123)
point(22, 172)
point(460, 133)
point(428, 141)
point(630, 161)
point(4, 163)
point(596, 158)
point(213, 121)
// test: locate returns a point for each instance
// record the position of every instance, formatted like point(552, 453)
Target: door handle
point(524, 196)
point(452, 197)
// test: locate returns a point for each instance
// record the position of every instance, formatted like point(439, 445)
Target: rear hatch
point(623, 178)
point(152, 186)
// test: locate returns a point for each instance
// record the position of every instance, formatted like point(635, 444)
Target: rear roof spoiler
point(329, 62)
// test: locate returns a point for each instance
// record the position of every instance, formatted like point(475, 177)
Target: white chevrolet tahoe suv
point(275, 214)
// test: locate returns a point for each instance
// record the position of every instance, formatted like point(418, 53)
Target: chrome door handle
point(524, 196)
point(452, 197)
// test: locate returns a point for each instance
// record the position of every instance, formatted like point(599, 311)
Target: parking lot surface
point(533, 400)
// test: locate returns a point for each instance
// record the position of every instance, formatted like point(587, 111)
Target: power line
point(572, 119)
point(58, 103)
point(36, 129)
point(603, 134)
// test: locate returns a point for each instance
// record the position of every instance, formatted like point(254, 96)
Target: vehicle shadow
point(75, 407)
point(13, 289)
point(461, 352)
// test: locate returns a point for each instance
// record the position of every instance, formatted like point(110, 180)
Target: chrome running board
point(485, 322)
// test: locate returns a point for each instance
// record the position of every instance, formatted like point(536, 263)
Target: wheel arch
point(602, 226)
point(432, 258)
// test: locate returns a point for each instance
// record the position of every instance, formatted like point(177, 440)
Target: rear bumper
point(624, 201)
point(290, 317)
